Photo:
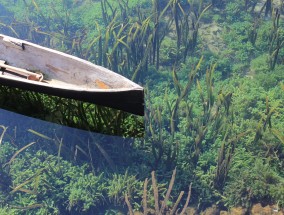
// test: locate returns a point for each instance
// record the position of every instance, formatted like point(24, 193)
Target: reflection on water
point(22, 129)
point(44, 162)
point(71, 143)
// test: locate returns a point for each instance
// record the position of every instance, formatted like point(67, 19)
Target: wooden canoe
point(32, 67)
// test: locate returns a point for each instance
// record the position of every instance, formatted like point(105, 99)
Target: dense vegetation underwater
point(214, 122)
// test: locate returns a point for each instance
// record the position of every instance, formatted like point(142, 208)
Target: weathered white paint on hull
point(69, 74)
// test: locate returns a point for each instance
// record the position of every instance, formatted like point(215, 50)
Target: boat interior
point(19, 72)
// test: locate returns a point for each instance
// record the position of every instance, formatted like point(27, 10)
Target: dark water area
point(39, 143)
point(70, 112)
point(71, 142)
point(211, 140)
point(20, 125)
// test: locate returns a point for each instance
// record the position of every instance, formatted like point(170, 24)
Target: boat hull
point(69, 77)
point(121, 100)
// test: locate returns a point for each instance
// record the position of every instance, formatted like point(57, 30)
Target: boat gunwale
point(79, 60)
point(72, 87)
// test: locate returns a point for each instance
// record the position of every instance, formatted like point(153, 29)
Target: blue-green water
point(213, 76)
point(57, 152)
point(22, 129)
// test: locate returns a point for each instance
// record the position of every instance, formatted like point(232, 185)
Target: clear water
point(214, 91)
point(74, 151)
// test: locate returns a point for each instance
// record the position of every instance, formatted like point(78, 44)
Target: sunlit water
point(201, 151)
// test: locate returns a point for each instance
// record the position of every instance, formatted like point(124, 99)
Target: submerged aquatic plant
point(161, 207)
point(200, 123)
point(276, 40)
point(46, 183)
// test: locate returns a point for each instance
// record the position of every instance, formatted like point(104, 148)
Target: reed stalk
point(145, 208)
point(3, 133)
point(161, 209)
point(156, 193)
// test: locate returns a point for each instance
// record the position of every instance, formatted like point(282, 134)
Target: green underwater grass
point(214, 105)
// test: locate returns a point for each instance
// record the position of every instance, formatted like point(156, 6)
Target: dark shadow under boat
point(72, 113)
